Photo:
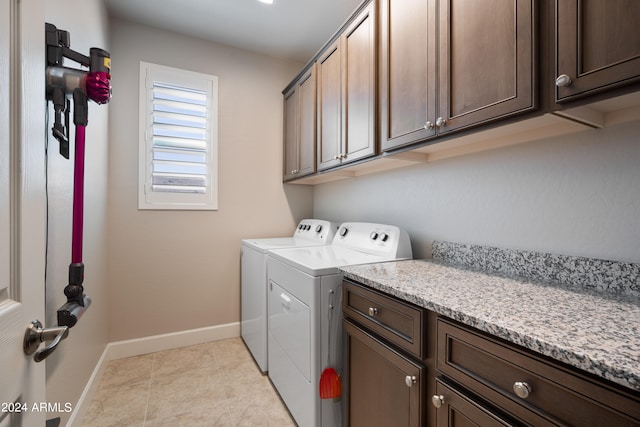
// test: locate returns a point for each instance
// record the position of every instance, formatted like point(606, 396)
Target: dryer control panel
point(374, 238)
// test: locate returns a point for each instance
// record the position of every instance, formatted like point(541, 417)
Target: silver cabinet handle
point(563, 80)
point(410, 380)
point(429, 125)
point(36, 334)
point(373, 311)
point(437, 400)
point(522, 389)
point(440, 122)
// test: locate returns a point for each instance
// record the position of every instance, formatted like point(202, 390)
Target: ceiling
point(287, 29)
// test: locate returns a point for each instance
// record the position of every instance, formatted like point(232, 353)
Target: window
point(178, 157)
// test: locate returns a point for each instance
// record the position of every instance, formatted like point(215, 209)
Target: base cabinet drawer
point(532, 389)
point(399, 322)
point(385, 388)
point(454, 409)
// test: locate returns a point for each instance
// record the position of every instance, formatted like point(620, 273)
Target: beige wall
point(175, 270)
point(69, 368)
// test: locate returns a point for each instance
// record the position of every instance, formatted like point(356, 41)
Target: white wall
point(70, 366)
point(177, 270)
point(573, 195)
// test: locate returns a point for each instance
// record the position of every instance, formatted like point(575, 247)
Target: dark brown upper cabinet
point(346, 94)
point(597, 46)
point(300, 126)
point(447, 65)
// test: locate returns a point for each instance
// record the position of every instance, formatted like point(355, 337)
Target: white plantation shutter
point(178, 152)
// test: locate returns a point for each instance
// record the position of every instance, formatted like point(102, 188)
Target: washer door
point(290, 326)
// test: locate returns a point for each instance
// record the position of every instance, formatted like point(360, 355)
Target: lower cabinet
point(530, 388)
point(407, 366)
point(386, 388)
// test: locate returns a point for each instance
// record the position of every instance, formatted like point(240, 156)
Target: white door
point(22, 207)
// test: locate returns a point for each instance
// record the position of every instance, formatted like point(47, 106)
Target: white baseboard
point(139, 346)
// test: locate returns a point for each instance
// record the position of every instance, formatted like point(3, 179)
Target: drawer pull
point(522, 389)
point(410, 380)
point(373, 311)
point(437, 400)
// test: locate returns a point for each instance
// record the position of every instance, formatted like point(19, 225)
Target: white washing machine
point(305, 313)
point(253, 287)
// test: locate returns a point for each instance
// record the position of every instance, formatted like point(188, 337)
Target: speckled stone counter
point(589, 330)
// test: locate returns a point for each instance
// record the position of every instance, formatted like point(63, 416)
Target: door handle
point(36, 334)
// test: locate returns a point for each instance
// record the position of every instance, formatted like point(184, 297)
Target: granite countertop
point(591, 331)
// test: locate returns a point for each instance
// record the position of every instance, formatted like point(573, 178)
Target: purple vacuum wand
point(82, 86)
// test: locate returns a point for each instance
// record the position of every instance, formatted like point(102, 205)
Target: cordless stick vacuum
point(63, 84)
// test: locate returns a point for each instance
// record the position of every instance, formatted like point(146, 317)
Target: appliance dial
point(343, 231)
point(318, 228)
point(373, 235)
point(384, 237)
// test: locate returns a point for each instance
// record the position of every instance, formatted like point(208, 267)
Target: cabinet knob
point(429, 126)
point(410, 380)
point(437, 400)
point(336, 157)
point(373, 311)
point(563, 80)
point(441, 122)
point(522, 389)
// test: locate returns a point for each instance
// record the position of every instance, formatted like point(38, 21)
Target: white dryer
point(305, 313)
point(253, 286)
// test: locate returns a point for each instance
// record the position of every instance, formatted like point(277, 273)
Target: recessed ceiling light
point(266, 1)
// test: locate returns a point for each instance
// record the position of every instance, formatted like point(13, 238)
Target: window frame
point(166, 200)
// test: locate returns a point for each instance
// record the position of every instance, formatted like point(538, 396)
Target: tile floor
point(212, 384)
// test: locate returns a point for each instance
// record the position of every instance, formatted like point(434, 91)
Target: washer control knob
point(318, 228)
point(373, 235)
point(384, 237)
point(343, 231)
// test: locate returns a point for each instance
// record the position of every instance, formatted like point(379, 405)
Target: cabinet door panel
point(598, 45)
point(407, 71)
point(486, 60)
point(358, 45)
point(290, 133)
point(307, 132)
point(378, 394)
point(329, 107)
point(458, 410)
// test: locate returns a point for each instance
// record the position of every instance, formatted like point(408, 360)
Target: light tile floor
point(212, 384)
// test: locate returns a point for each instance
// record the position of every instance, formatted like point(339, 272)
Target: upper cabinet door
point(486, 61)
point(329, 107)
point(290, 133)
point(598, 46)
point(307, 132)
point(407, 71)
point(359, 83)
